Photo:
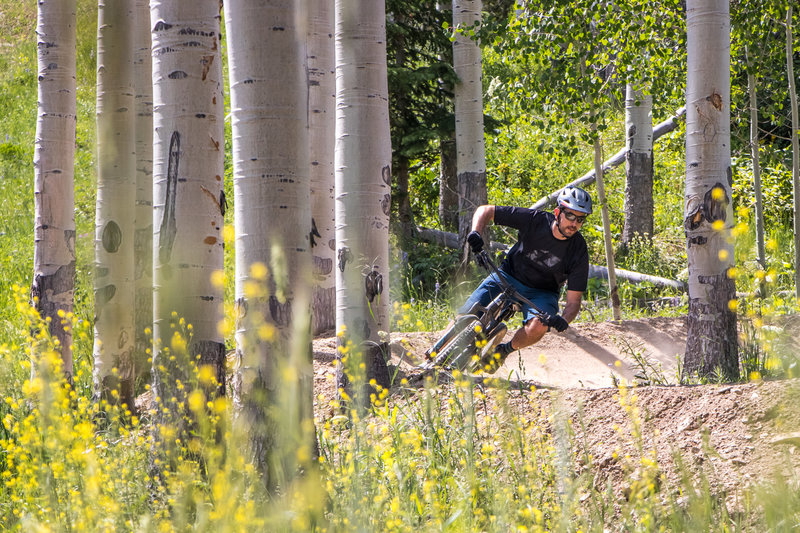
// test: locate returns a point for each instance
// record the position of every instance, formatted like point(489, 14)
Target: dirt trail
point(734, 435)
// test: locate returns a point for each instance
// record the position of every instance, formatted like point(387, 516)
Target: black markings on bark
point(278, 28)
point(162, 26)
point(177, 75)
point(716, 101)
point(206, 62)
point(345, 255)
point(729, 174)
point(200, 115)
point(386, 174)
point(714, 210)
point(386, 204)
point(44, 288)
point(322, 266)
point(373, 284)
point(281, 313)
point(169, 226)
point(165, 50)
point(102, 296)
point(223, 203)
point(699, 240)
point(314, 232)
point(248, 81)
point(192, 31)
point(112, 237)
point(711, 340)
point(212, 354)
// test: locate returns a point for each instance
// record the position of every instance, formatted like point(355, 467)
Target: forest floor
point(733, 435)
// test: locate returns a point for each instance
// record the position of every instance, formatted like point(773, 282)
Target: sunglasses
point(572, 217)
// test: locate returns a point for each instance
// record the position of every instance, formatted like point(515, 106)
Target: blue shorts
point(490, 287)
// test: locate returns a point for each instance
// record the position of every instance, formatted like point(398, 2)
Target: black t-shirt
point(538, 259)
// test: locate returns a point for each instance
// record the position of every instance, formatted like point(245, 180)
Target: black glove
point(556, 322)
point(475, 241)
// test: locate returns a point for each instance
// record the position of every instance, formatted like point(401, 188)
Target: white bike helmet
point(576, 199)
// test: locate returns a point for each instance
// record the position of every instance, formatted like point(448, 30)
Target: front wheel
point(458, 353)
point(490, 360)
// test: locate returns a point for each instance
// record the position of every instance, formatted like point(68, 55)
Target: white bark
point(143, 242)
point(322, 135)
point(638, 205)
point(188, 199)
point(708, 215)
point(116, 192)
point(363, 178)
point(53, 162)
point(468, 97)
point(795, 148)
point(269, 110)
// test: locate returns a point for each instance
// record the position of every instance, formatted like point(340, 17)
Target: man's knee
point(535, 328)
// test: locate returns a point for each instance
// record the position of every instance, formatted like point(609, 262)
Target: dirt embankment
point(732, 434)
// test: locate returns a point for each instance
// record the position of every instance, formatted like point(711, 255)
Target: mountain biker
point(549, 252)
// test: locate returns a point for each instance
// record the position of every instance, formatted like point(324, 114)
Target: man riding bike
point(549, 252)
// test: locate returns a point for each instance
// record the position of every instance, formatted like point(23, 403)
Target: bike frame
point(459, 344)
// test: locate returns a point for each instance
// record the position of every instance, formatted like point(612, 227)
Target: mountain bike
point(469, 343)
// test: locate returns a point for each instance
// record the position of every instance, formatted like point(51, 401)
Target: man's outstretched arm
point(573, 306)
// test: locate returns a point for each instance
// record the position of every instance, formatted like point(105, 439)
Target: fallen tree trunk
point(616, 160)
point(601, 272)
point(450, 240)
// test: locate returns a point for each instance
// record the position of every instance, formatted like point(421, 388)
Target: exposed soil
point(734, 435)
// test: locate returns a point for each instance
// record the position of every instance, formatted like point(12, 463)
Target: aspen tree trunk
point(795, 148)
point(53, 161)
point(322, 135)
point(363, 188)
point(116, 193)
point(711, 343)
point(448, 185)
point(188, 198)
point(448, 171)
point(638, 204)
point(269, 109)
point(471, 157)
point(754, 150)
point(143, 241)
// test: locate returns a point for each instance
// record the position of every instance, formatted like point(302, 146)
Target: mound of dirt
point(731, 434)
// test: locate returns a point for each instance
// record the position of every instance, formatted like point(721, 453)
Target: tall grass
point(459, 458)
